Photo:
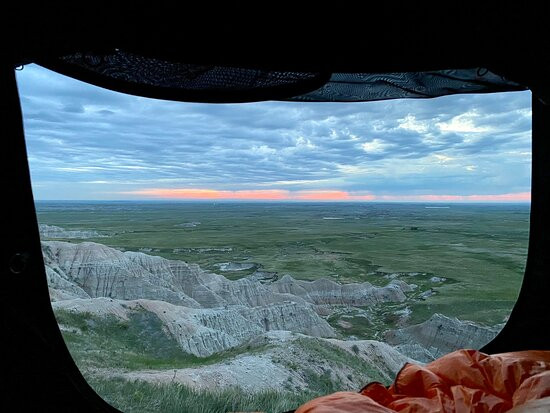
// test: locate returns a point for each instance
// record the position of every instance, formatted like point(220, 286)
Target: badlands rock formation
point(52, 231)
point(205, 313)
point(439, 335)
point(274, 368)
point(203, 332)
point(324, 291)
point(101, 271)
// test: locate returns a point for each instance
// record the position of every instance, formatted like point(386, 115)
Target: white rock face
point(57, 281)
point(324, 291)
point(235, 266)
point(249, 372)
point(52, 231)
point(282, 363)
point(439, 335)
point(101, 271)
point(203, 332)
point(381, 356)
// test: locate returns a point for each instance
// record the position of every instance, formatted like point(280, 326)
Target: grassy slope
point(336, 356)
point(140, 343)
point(144, 397)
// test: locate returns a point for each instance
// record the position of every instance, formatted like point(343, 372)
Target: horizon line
point(325, 195)
point(292, 201)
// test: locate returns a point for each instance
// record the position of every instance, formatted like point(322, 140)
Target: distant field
point(480, 250)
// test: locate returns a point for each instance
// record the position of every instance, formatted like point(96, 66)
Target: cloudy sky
point(89, 143)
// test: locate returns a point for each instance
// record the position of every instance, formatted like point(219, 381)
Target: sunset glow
point(512, 197)
point(312, 196)
point(184, 193)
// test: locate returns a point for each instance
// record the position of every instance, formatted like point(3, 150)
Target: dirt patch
point(344, 324)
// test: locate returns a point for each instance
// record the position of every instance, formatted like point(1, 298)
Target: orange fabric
point(343, 401)
point(463, 381)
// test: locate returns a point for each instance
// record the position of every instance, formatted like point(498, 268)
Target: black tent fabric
point(158, 78)
point(362, 87)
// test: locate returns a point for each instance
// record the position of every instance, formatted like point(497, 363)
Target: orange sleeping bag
point(463, 381)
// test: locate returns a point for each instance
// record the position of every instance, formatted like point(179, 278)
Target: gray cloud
point(85, 143)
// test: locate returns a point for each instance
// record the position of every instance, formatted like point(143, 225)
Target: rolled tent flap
point(161, 78)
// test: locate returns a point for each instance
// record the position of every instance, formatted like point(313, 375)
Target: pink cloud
point(185, 193)
point(321, 196)
point(519, 196)
point(262, 194)
point(510, 197)
point(327, 195)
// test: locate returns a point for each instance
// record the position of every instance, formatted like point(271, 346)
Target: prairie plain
point(478, 251)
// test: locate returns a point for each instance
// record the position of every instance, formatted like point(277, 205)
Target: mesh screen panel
point(356, 87)
point(154, 77)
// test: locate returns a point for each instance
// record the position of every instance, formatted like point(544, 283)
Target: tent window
point(265, 253)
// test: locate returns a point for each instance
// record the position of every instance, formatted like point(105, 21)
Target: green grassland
point(140, 343)
point(479, 249)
